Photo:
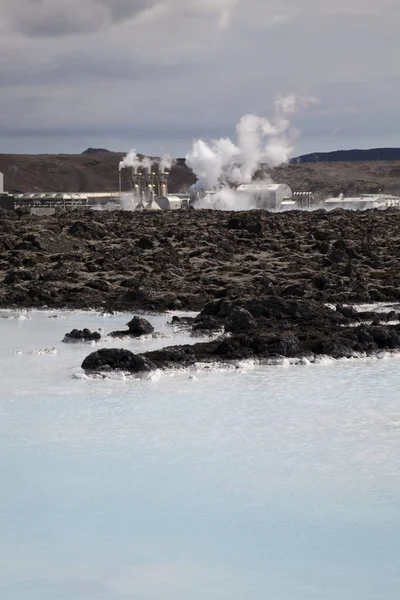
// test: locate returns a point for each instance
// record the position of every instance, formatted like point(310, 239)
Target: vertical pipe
point(140, 206)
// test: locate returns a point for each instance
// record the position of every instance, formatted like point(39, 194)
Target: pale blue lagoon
point(275, 483)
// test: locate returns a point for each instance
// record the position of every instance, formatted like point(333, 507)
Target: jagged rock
point(182, 321)
point(348, 270)
point(145, 243)
point(385, 337)
point(140, 326)
point(100, 284)
point(240, 320)
point(322, 247)
point(116, 359)
point(320, 281)
point(88, 230)
point(82, 335)
point(18, 276)
point(364, 337)
point(337, 256)
point(249, 221)
point(137, 327)
point(296, 290)
point(221, 309)
point(347, 311)
point(174, 356)
point(207, 323)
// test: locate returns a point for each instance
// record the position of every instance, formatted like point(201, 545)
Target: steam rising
point(132, 160)
point(166, 162)
point(220, 165)
point(259, 140)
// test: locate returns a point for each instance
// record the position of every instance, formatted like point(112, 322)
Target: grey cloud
point(76, 70)
point(121, 10)
point(53, 18)
point(149, 132)
point(172, 74)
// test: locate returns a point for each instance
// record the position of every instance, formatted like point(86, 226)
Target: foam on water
point(247, 482)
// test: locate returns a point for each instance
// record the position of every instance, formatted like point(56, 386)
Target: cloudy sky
point(155, 75)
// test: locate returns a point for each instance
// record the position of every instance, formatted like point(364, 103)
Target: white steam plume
point(130, 160)
point(259, 140)
point(146, 162)
point(165, 163)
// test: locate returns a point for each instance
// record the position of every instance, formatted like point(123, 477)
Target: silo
point(265, 195)
point(169, 202)
point(1, 183)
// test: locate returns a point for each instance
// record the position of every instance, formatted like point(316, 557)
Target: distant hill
point(95, 151)
point(97, 171)
point(373, 154)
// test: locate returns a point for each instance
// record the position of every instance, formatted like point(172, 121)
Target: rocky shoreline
point(263, 330)
point(262, 281)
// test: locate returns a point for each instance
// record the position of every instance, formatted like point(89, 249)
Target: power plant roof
point(259, 185)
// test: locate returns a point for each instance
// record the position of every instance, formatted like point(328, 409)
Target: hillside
point(98, 171)
point(350, 155)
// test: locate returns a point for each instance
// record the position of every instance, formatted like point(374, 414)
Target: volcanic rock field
point(262, 280)
point(180, 260)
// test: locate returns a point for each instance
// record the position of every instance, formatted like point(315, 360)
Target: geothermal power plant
point(149, 192)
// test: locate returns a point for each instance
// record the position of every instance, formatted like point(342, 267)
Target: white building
point(363, 202)
point(270, 196)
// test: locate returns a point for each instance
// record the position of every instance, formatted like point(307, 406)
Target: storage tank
point(169, 202)
point(267, 196)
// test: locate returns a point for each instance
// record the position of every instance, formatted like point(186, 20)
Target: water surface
point(280, 482)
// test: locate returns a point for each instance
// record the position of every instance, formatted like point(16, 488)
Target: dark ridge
point(98, 172)
point(96, 151)
point(373, 154)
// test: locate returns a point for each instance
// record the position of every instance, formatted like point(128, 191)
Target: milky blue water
point(279, 483)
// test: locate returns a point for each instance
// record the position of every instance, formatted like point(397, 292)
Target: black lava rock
point(137, 327)
point(140, 326)
point(82, 335)
point(240, 321)
point(116, 359)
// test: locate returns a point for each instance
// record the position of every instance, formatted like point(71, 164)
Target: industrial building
point(363, 202)
point(271, 196)
point(266, 196)
point(6, 200)
point(149, 191)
